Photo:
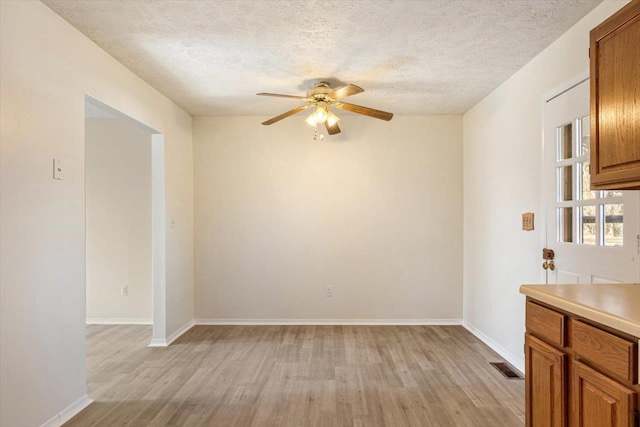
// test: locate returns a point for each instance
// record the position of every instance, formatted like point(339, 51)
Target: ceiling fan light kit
point(322, 96)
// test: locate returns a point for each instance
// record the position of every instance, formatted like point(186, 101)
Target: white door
point(594, 234)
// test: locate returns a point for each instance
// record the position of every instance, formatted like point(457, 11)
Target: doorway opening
point(125, 221)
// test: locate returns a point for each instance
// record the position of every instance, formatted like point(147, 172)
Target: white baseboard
point(363, 322)
point(174, 336)
point(158, 342)
point(119, 321)
point(516, 361)
point(69, 412)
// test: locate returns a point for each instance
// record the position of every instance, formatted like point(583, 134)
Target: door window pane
point(565, 225)
point(564, 142)
point(613, 225)
point(565, 183)
point(586, 182)
point(612, 193)
point(585, 141)
point(588, 219)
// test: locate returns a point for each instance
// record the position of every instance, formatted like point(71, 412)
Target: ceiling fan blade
point(345, 91)
point(335, 129)
point(285, 115)
point(371, 112)
point(278, 95)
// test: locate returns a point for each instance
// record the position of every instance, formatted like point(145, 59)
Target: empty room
point(320, 213)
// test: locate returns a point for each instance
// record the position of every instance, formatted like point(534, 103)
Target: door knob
point(549, 265)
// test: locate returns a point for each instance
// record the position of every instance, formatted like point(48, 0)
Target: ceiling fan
point(322, 96)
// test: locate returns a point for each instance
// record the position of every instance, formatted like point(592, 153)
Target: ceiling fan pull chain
point(317, 136)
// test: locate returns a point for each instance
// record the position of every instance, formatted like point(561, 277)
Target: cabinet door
point(615, 111)
point(599, 401)
point(545, 384)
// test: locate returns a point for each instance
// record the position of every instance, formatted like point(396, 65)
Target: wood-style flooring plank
point(261, 376)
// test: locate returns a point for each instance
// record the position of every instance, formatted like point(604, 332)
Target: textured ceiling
point(411, 57)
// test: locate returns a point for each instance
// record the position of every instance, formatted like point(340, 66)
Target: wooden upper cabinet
point(615, 100)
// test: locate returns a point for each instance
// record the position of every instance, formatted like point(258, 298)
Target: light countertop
point(613, 305)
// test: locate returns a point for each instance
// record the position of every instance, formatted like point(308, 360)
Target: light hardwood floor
point(297, 376)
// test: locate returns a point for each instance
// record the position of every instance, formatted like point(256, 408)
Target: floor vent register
point(506, 370)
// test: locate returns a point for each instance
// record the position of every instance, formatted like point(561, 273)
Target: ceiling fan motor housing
point(319, 91)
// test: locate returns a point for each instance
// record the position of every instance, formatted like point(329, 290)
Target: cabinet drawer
point(546, 323)
point(609, 352)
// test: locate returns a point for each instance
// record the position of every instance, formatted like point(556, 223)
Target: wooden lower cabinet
point(598, 401)
point(546, 392)
point(589, 381)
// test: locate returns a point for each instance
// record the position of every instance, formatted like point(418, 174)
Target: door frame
point(558, 90)
point(546, 97)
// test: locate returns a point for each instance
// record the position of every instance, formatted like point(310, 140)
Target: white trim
point(69, 412)
point(379, 322)
point(119, 321)
point(158, 342)
point(159, 236)
point(516, 361)
point(174, 336)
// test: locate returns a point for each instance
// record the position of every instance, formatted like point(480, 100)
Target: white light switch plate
point(57, 169)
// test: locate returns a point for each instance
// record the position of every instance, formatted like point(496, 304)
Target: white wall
point(503, 179)
point(46, 68)
point(118, 200)
point(375, 212)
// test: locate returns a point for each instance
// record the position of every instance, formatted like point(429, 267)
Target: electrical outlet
point(124, 291)
point(329, 292)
